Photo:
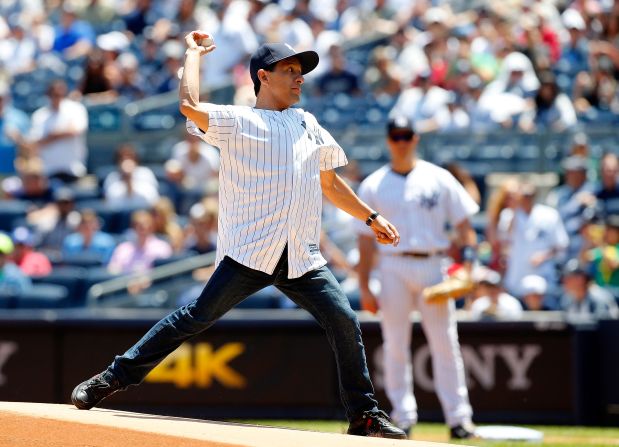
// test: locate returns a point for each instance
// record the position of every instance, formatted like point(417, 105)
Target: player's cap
point(6, 244)
point(270, 53)
point(534, 285)
point(574, 163)
point(399, 122)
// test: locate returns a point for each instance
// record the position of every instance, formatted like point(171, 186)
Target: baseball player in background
point(276, 161)
point(423, 201)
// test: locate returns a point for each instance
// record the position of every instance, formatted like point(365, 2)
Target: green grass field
point(554, 436)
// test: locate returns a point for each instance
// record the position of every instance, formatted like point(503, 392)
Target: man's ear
point(262, 75)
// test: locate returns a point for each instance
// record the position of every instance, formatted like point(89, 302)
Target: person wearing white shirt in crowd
point(59, 131)
point(195, 164)
point(493, 303)
point(18, 50)
point(277, 162)
point(537, 238)
point(425, 105)
point(131, 184)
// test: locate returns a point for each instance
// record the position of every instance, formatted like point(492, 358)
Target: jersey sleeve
point(460, 204)
point(222, 123)
point(365, 194)
point(331, 153)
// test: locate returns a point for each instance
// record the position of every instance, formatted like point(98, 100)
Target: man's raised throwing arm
point(189, 90)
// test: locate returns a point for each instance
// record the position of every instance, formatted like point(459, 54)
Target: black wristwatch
point(372, 218)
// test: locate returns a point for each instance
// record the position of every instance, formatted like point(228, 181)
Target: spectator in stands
point(165, 223)
point(173, 52)
point(537, 239)
point(383, 76)
point(89, 239)
point(100, 14)
point(30, 262)
point(201, 235)
point(534, 289)
point(607, 191)
point(582, 299)
point(73, 38)
point(12, 280)
point(31, 184)
point(493, 303)
point(96, 86)
point(59, 132)
point(57, 220)
point(456, 119)
point(149, 63)
point(14, 125)
point(504, 197)
point(338, 79)
point(18, 50)
point(131, 83)
point(605, 258)
point(138, 256)
point(131, 184)
point(575, 52)
point(236, 41)
point(571, 198)
point(553, 109)
point(424, 104)
point(192, 171)
point(140, 17)
point(516, 76)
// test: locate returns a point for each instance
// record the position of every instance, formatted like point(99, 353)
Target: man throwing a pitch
point(276, 161)
point(423, 200)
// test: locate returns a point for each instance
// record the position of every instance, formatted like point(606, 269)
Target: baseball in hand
point(205, 42)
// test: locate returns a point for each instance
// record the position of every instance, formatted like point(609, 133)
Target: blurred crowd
point(459, 66)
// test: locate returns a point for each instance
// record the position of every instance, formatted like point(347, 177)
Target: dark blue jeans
point(317, 291)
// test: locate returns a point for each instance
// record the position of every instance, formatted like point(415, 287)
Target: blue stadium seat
point(72, 278)
point(10, 212)
point(44, 296)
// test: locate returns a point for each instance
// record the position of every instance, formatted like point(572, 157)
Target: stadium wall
point(251, 366)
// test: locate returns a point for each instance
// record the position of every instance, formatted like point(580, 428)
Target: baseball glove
point(455, 286)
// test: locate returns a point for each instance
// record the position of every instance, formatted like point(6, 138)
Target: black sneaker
point(89, 393)
point(462, 431)
point(375, 424)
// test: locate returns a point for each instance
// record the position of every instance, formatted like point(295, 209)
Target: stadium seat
point(10, 212)
point(44, 296)
point(72, 278)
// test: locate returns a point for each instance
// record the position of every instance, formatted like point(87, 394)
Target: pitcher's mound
point(52, 425)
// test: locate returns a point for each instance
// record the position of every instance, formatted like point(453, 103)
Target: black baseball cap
point(270, 53)
point(399, 122)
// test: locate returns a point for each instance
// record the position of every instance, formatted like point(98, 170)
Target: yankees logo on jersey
point(270, 184)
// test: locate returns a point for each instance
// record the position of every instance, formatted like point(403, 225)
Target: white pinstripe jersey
point(269, 184)
point(421, 205)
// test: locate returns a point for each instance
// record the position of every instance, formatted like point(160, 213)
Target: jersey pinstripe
point(269, 193)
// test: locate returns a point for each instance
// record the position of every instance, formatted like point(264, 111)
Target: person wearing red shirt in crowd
point(30, 262)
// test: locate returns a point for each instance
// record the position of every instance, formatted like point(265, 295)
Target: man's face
point(401, 143)
point(285, 82)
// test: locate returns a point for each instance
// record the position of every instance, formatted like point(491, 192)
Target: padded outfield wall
point(253, 364)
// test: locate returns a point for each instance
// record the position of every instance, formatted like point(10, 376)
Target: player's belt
point(420, 254)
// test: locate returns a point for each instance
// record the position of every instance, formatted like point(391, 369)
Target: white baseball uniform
point(287, 148)
point(421, 205)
